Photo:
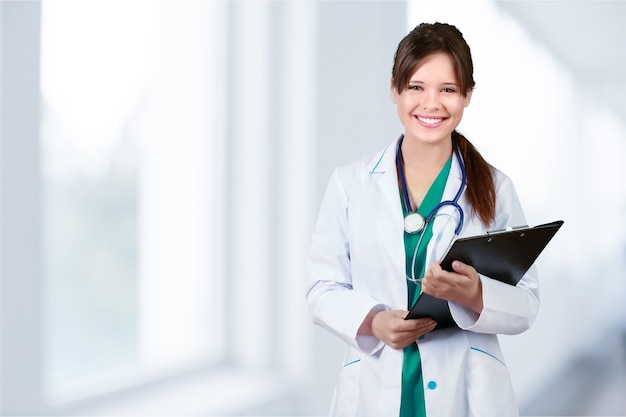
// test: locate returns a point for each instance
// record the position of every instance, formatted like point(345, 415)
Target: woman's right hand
point(391, 327)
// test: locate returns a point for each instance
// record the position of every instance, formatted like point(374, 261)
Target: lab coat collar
point(383, 168)
point(384, 160)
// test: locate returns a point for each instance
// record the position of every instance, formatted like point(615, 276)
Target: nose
point(431, 100)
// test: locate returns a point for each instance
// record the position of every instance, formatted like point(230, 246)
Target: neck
point(425, 155)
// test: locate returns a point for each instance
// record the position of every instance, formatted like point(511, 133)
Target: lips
point(429, 121)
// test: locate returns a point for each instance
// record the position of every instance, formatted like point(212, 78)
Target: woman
point(366, 254)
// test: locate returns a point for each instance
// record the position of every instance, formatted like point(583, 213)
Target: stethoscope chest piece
point(414, 223)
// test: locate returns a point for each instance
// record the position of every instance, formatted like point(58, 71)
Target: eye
point(448, 90)
point(415, 87)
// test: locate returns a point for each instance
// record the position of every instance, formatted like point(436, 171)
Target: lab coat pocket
point(346, 395)
point(489, 389)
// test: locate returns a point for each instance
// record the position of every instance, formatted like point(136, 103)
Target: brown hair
point(425, 40)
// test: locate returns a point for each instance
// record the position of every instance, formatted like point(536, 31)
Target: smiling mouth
point(429, 120)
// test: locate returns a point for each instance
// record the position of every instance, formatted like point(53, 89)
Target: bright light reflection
point(96, 63)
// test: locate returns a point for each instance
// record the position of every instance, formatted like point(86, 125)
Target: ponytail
point(481, 188)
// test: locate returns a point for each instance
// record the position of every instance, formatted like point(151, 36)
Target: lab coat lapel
point(383, 169)
point(388, 219)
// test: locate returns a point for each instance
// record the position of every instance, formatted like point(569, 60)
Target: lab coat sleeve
point(333, 303)
point(507, 309)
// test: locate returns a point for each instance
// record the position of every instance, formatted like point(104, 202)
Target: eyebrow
point(422, 82)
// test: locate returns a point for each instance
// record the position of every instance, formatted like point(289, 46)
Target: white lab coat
point(357, 263)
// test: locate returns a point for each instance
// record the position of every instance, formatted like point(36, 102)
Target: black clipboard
point(503, 255)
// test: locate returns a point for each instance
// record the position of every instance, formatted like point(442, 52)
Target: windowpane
point(129, 154)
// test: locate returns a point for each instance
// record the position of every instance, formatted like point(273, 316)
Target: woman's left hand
point(461, 286)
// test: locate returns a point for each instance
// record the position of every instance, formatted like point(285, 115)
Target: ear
point(468, 97)
point(394, 93)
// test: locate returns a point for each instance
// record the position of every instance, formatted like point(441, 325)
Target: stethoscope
point(415, 222)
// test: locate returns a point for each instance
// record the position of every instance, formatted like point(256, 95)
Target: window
point(175, 199)
point(132, 155)
point(177, 204)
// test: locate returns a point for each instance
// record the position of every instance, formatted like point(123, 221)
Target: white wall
point(20, 228)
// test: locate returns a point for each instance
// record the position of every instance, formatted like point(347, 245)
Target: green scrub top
point(412, 403)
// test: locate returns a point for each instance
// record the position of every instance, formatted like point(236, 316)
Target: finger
point(429, 285)
point(426, 322)
point(420, 323)
point(426, 328)
point(399, 314)
point(431, 326)
point(461, 268)
point(428, 325)
point(435, 268)
point(464, 269)
point(431, 279)
point(436, 273)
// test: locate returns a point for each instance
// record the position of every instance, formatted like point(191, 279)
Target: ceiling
point(589, 37)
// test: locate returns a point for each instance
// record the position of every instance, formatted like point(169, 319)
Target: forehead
point(435, 67)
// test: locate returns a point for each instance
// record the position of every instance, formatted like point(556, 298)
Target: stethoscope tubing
point(454, 203)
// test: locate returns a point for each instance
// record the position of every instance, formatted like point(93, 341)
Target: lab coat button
point(432, 385)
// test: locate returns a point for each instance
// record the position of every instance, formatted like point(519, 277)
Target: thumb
point(459, 266)
point(400, 314)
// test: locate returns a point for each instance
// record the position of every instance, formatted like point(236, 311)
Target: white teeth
point(429, 121)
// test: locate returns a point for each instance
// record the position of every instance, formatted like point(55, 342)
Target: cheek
point(458, 110)
point(402, 106)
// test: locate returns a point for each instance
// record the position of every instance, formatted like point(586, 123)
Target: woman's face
point(432, 105)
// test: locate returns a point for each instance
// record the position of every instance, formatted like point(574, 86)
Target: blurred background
point(162, 163)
